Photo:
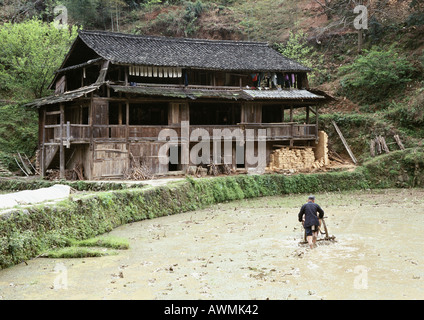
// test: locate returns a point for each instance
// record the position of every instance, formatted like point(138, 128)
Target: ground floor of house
point(107, 137)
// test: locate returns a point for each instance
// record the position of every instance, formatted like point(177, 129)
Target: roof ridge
point(173, 39)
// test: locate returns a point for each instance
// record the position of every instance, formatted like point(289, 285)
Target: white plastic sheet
point(26, 197)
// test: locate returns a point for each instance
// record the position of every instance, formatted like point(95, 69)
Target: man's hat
point(311, 197)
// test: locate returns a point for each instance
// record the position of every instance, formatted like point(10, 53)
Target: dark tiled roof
point(188, 53)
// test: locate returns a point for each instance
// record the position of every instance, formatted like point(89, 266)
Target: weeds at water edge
point(93, 247)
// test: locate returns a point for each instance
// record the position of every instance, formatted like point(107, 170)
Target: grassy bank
point(26, 233)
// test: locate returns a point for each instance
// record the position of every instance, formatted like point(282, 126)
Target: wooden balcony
point(79, 133)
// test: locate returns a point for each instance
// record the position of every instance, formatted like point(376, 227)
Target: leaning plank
point(378, 145)
point(384, 145)
point(17, 162)
point(24, 164)
point(400, 144)
point(372, 148)
point(29, 161)
point(345, 143)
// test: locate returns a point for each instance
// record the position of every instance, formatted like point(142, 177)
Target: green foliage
point(105, 242)
point(18, 11)
point(30, 52)
point(298, 49)
point(180, 21)
point(18, 133)
point(376, 30)
point(98, 14)
point(193, 10)
point(372, 75)
point(397, 169)
point(23, 184)
point(356, 127)
point(416, 18)
point(409, 114)
point(350, 120)
point(76, 252)
point(266, 20)
point(84, 12)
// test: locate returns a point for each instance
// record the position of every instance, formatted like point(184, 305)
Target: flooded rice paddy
point(249, 250)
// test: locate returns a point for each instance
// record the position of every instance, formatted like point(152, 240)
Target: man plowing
point(309, 215)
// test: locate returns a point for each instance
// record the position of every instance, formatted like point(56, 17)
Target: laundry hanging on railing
point(274, 80)
point(157, 72)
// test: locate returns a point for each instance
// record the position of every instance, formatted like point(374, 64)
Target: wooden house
point(116, 94)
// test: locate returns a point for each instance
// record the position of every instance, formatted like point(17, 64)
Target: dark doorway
point(117, 113)
point(174, 154)
point(272, 113)
point(204, 114)
point(148, 114)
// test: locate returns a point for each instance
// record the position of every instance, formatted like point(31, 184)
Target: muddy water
point(249, 250)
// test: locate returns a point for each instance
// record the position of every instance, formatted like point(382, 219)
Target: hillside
point(379, 91)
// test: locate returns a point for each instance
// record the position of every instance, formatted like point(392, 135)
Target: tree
point(18, 11)
point(417, 15)
point(298, 49)
point(95, 14)
point(343, 14)
point(30, 52)
point(18, 133)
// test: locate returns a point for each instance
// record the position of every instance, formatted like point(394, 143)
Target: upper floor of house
point(123, 60)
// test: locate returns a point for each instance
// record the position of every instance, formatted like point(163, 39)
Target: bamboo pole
point(345, 143)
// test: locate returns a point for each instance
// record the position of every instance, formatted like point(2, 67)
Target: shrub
point(18, 133)
point(409, 115)
point(371, 76)
point(181, 21)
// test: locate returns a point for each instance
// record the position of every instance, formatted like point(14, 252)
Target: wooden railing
point(81, 133)
point(70, 133)
point(284, 131)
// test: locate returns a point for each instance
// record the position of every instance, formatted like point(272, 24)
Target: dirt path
point(249, 250)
